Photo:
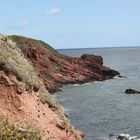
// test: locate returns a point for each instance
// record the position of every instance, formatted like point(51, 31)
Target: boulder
point(131, 91)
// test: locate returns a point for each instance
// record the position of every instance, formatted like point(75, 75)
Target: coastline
point(57, 69)
point(35, 67)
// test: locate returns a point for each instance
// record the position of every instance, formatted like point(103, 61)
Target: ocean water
point(102, 108)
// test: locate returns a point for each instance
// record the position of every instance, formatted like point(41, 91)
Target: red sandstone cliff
point(25, 102)
point(56, 69)
point(27, 68)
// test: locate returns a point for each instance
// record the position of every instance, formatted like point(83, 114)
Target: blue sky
point(74, 23)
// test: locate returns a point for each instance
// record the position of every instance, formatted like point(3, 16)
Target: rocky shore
point(57, 69)
point(28, 70)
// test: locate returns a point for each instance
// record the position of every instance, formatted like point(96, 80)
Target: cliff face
point(25, 107)
point(25, 101)
point(27, 68)
point(57, 69)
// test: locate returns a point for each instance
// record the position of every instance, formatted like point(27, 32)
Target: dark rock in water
point(131, 91)
point(120, 76)
point(123, 137)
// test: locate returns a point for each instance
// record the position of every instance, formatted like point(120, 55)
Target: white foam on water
point(67, 110)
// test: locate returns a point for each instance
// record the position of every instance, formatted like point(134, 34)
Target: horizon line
point(97, 47)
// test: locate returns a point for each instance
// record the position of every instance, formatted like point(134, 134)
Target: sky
point(73, 23)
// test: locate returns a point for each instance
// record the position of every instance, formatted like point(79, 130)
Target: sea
point(101, 108)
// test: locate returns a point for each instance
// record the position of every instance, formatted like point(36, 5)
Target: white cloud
point(53, 11)
point(23, 24)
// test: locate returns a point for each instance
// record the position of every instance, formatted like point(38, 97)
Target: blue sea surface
point(101, 108)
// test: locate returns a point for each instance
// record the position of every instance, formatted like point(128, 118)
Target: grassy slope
point(20, 40)
point(12, 61)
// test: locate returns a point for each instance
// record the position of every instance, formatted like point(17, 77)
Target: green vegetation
point(47, 98)
point(21, 41)
point(13, 61)
point(14, 38)
point(10, 131)
point(47, 46)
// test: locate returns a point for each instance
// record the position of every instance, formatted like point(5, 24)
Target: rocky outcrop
point(57, 69)
point(131, 91)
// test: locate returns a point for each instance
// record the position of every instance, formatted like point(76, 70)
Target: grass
point(45, 97)
point(21, 41)
point(10, 131)
point(13, 61)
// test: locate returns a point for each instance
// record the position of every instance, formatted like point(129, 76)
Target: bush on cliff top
point(13, 61)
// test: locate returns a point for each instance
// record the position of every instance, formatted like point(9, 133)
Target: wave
point(67, 110)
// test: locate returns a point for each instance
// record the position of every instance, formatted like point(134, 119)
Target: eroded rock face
point(57, 69)
point(26, 108)
point(131, 91)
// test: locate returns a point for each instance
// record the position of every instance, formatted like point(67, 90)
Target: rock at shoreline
point(131, 91)
point(81, 133)
point(121, 76)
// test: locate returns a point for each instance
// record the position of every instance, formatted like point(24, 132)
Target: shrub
point(10, 131)
point(13, 61)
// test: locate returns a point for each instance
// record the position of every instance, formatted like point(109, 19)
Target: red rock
point(57, 69)
point(81, 133)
